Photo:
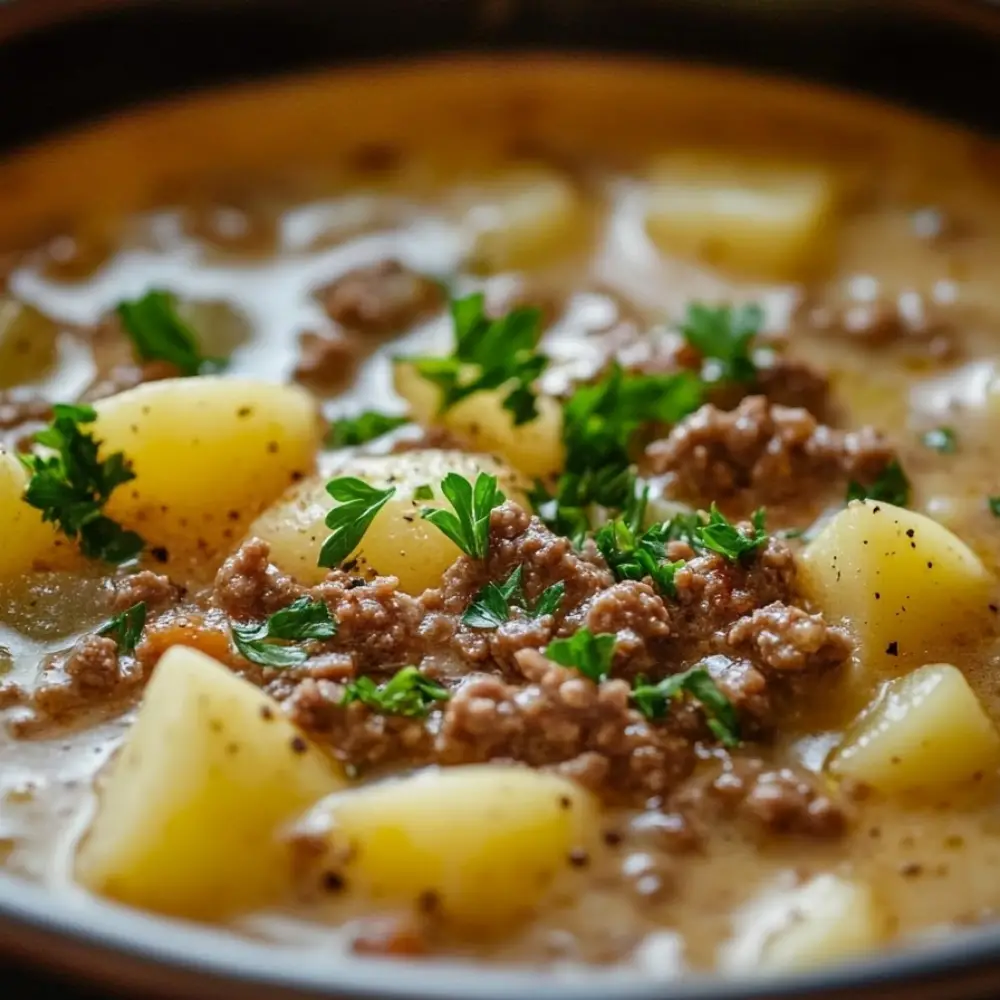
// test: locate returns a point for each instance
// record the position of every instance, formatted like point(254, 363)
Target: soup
point(534, 514)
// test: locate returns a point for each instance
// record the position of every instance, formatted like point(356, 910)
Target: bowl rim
point(111, 945)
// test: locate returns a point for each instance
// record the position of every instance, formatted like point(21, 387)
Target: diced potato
point(398, 542)
point(905, 584)
point(28, 344)
point(827, 919)
point(522, 218)
point(209, 454)
point(487, 841)
point(28, 543)
point(927, 730)
point(188, 815)
point(764, 219)
point(534, 448)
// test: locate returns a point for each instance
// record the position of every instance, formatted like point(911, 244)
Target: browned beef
point(785, 638)
point(760, 453)
point(155, 590)
point(380, 299)
point(248, 587)
point(782, 801)
point(325, 361)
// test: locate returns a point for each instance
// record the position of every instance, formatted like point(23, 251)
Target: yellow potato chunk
point(903, 583)
point(522, 218)
point(188, 816)
point(534, 449)
point(755, 217)
point(398, 542)
point(209, 454)
point(485, 842)
point(29, 343)
point(927, 730)
point(828, 919)
point(28, 543)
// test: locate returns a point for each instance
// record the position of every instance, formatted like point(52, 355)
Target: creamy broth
point(244, 203)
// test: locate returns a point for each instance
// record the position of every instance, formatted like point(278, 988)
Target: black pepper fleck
point(892, 649)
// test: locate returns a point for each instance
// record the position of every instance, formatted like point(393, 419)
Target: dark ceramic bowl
point(65, 60)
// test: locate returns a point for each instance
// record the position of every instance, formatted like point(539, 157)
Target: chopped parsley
point(942, 439)
point(71, 486)
point(994, 505)
point(599, 424)
point(158, 333)
point(654, 700)
point(490, 354)
point(126, 628)
point(591, 654)
point(266, 643)
point(407, 693)
point(358, 504)
point(493, 604)
point(423, 492)
point(891, 486)
point(469, 526)
point(351, 431)
point(724, 336)
point(632, 555)
point(720, 535)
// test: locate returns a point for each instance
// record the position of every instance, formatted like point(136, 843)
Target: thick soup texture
point(539, 513)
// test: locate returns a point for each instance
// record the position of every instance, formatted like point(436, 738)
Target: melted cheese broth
point(245, 201)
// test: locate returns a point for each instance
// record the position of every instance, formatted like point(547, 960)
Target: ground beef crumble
point(761, 452)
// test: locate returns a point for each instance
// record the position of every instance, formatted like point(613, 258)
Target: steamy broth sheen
point(610, 196)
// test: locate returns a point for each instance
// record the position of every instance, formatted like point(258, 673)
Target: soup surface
point(539, 513)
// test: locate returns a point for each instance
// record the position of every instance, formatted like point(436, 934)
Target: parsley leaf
point(634, 556)
point(469, 526)
point(942, 439)
point(549, 600)
point(158, 333)
point(724, 337)
point(359, 503)
point(71, 486)
point(599, 424)
point(653, 701)
point(492, 605)
point(406, 693)
point(489, 354)
point(423, 492)
point(491, 608)
point(351, 431)
point(302, 621)
point(126, 628)
point(994, 505)
point(591, 654)
point(891, 486)
point(722, 536)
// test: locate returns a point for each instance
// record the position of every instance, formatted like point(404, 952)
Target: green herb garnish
point(632, 555)
point(493, 604)
point(304, 620)
point(158, 333)
point(724, 336)
point(891, 486)
point(358, 504)
point(591, 654)
point(72, 486)
point(469, 526)
point(720, 535)
point(407, 693)
point(490, 354)
point(654, 700)
point(126, 628)
point(423, 492)
point(994, 505)
point(942, 439)
point(349, 432)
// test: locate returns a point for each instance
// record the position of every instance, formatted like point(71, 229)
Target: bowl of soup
point(517, 513)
